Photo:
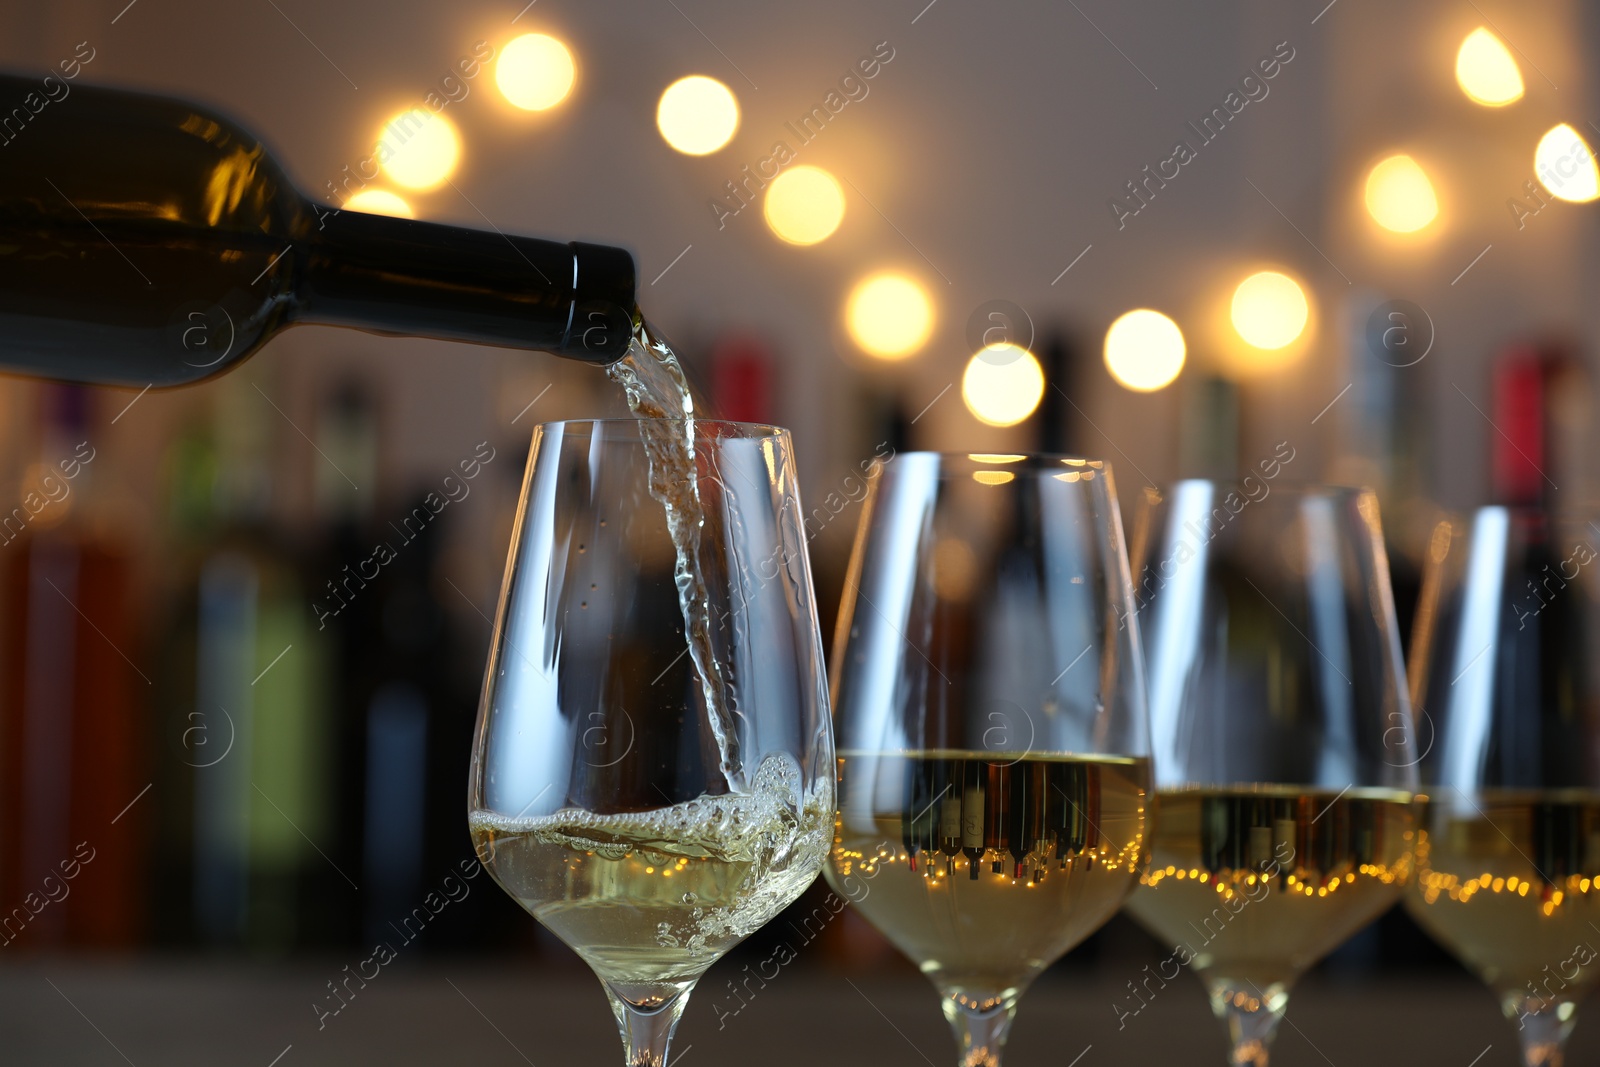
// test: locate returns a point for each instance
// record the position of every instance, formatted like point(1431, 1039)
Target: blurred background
point(240, 667)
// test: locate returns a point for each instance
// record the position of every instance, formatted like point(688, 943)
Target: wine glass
point(653, 798)
point(1506, 671)
point(994, 755)
point(1285, 765)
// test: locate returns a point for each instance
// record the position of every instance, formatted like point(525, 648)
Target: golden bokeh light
point(418, 150)
point(1564, 163)
point(1269, 309)
point(889, 315)
point(1399, 195)
point(535, 72)
point(1486, 71)
point(380, 202)
point(1144, 350)
point(697, 115)
point(1002, 385)
point(804, 205)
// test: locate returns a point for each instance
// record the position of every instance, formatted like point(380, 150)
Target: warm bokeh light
point(535, 72)
point(1399, 195)
point(1144, 350)
point(1269, 309)
point(380, 202)
point(1565, 165)
point(804, 205)
point(697, 115)
point(1003, 384)
point(1486, 71)
point(418, 150)
point(889, 315)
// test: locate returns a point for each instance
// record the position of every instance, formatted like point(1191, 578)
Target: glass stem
point(981, 1024)
point(647, 1029)
point(1251, 1015)
point(1542, 1029)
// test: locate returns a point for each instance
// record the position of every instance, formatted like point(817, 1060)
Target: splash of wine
point(658, 394)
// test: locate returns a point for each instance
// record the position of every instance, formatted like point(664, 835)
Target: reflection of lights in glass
point(1486, 72)
point(697, 115)
point(418, 150)
point(379, 202)
point(1269, 309)
point(955, 568)
point(1144, 350)
point(1400, 196)
point(1003, 384)
point(889, 315)
point(993, 477)
point(535, 72)
point(804, 205)
point(1565, 165)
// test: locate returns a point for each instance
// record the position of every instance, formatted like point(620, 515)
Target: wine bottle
point(972, 817)
point(950, 815)
point(257, 736)
point(145, 240)
point(996, 832)
point(72, 709)
point(1542, 403)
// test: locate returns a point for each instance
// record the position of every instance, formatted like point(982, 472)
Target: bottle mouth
point(603, 313)
point(598, 331)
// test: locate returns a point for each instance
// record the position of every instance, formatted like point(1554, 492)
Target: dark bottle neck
point(400, 276)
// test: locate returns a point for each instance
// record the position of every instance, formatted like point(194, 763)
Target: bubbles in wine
point(740, 859)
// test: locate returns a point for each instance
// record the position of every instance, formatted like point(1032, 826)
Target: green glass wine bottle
point(145, 240)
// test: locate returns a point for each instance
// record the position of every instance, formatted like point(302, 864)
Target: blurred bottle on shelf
point(1059, 418)
point(741, 379)
point(247, 686)
point(1382, 431)
point(404, 724)
point(1208, 429)
point(1543, 412)
point(382, 720)
point(72, 742)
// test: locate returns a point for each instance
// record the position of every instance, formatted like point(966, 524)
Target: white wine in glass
point(1504, 661)
point(1256, 885)
point(1285, 758)
point(1018, 859)
point(651, 899)
point(653, 770)
point(994, 769)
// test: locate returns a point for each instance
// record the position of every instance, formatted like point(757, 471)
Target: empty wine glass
point(652, 774)
point(994, 759)
point(1282, 735)
point(1506, 676)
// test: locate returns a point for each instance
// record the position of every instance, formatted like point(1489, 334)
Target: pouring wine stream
point(652, 379)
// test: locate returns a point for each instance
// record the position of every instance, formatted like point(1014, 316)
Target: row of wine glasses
point(1254, 780)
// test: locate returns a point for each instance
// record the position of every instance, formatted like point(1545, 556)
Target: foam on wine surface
point(650, 899)
point(657, 392)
